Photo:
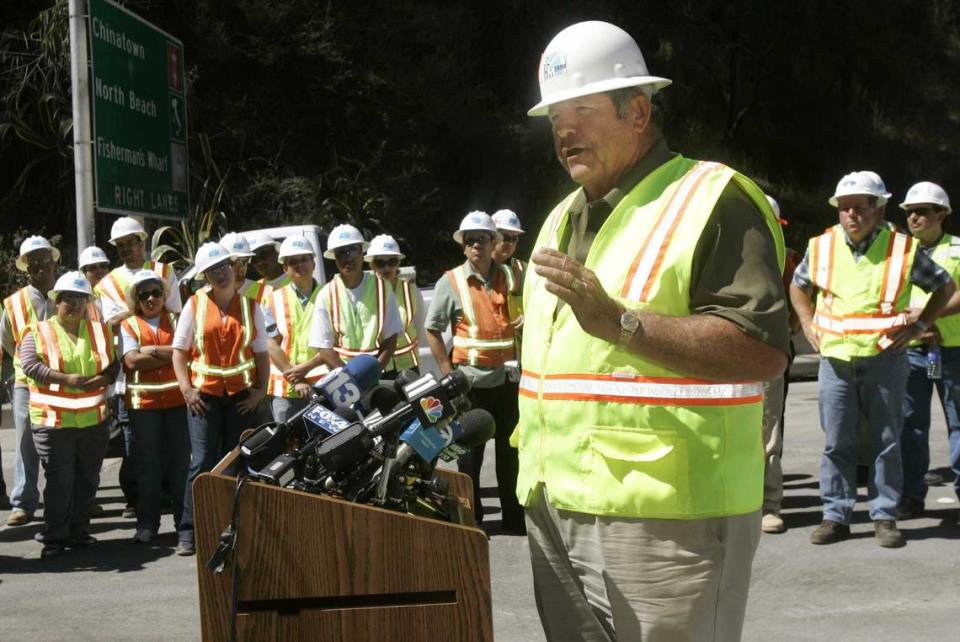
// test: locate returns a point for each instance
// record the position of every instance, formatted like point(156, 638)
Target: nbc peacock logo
point(433, 408)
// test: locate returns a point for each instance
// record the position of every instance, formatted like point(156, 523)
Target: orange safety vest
point(483, 336)
point(154, 389)
point(20, 315)
point(114, 286)
point(222, 358)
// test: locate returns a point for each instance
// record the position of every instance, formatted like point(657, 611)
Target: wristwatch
point(629, 324)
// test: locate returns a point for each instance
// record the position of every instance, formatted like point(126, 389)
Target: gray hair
point(622, 98)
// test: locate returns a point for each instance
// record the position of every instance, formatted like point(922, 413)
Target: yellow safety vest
point(859, 301)
point(114, 286)
point(356, 328)
point(21, 316)
point(406, 356)
point(57, 406)
point(293, 324)
point(607, 432)
point(946, 254)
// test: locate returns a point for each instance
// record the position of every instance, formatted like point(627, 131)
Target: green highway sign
point(138, 93)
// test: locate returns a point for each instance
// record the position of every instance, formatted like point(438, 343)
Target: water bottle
point(934, 364)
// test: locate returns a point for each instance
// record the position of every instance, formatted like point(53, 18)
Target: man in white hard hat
point(658, 275)
point(95, 265)
point(288, 315)
point(355, 312)
point(265, 260)
point(21, 310)
point(862, 274)
point(508, 224)
point(927, 206)
point(471, 300)
point(240, 250)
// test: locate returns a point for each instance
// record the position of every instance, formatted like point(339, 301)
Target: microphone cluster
point(373, 444)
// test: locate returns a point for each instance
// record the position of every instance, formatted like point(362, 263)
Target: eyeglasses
point(219, 268)
point(294, 261)
point(146, 295)
point(382, 263)
point(510, 239)
point(476, 240)
point(241, 263)
point(72, 298)
point(344, 253)
point(923, 211)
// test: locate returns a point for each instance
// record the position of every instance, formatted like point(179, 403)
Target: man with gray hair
point(654, 312)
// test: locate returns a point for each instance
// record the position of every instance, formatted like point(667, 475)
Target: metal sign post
point(80, 84)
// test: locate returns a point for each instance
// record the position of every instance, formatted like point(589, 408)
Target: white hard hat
point(237, 245)
point(863, 182)
point(476, 221)
point(144, 276)
point(341, 236)
point(209, 255)
point(258, 239)
point(507, 220)
point(383, 245)
point(591, 58)
point(32, 244)
point(91, 256)
point(295, 246)
point(926, 193)
point(71, 282)
point(774, 205)
point(125, 227)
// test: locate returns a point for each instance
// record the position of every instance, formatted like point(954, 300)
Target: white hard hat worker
point(476, 221)
point(72, 282)
point(926, 193)
point(237, 244)
point(864, 183)
point(342, 236)
point(92, 255)
point(34, 244)
point(295, 246)
point(125, 227)
point(591, 58)
point(211, 255)
point(383, 245)
point(259, 239)
point(144, 278)
point(507, 221)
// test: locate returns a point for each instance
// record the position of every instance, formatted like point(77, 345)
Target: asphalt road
point(849, 591)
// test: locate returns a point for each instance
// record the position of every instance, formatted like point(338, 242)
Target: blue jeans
point(160, 449)
point(874, 386)
point(25, 494)
point(211, 437)
point(915, 444)
point(128, 468)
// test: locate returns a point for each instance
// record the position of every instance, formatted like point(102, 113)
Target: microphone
point(283, 470)
point(342, 387)
point(427, 399)
point(477, 427)
point(381, 399)
point(471, 429)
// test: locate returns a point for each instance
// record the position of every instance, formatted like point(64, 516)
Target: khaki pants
point(773, 398)
point(606, 578)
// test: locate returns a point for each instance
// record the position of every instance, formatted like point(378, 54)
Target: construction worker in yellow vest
point(384, 256)
point(356, 313)
point(935, 357)
point(95, 265)
point(25, 308)
point(265, 260)
point(472, 301)
point(862, 274)
point(653, 310)
point(158, 415)
point(288, 315)
point(239, 248)
point(222, 366)
point(69, 361)
point(508, 224)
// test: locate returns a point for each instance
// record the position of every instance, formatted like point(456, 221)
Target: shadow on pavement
point(113, 556)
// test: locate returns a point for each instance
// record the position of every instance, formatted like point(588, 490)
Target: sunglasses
point(510, 239)
point(476, 240)
point(346, 252)
point(146, 295)
point(382, 263)
point(219, 268)
point(923, 211)
point(72, 299)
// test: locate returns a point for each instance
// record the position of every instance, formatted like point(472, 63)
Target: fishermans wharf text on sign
point(139, 101)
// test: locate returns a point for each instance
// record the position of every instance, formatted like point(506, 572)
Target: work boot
point(19, 517)
point(932, 479)
point(888, 536)
point(772, 522)
point(909, 508)
point(829, 532)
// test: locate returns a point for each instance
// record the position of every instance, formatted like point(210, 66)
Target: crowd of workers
point(188, 378)
point(629, 454)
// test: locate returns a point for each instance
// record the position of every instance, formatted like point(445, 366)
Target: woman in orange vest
point(69, 362)
point(221, 363)
point(158, 416)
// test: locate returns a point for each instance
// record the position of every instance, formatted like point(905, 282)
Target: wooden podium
point(317, 568)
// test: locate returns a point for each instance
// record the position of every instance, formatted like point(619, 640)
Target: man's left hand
point(576, 285)
point(902, 335)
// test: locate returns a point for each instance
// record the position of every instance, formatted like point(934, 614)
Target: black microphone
point(428, 400)
point(282, 470)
